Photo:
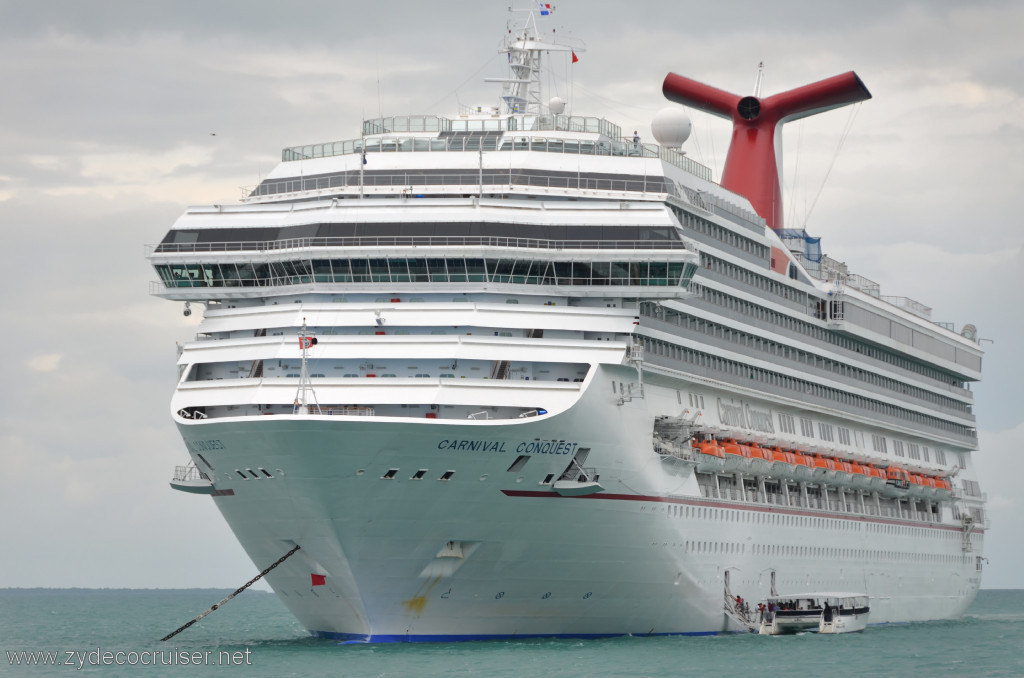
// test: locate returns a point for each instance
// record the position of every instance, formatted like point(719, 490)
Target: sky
point(115, 116)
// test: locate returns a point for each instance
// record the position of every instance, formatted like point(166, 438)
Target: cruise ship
point(518, 373)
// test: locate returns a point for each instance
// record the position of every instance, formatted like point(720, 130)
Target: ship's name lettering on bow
point(472, 445)
point(204, 445)
point(525, 447)
point(546, 447)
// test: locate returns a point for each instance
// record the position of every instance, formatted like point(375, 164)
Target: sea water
point(116, 632)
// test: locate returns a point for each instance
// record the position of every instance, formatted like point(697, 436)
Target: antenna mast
point(521, 90)
point(760, 79)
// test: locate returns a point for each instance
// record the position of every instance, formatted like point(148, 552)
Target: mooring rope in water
point(247, 585)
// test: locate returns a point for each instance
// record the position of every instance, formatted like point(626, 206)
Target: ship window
point(419, 474)
point(476, 270)
point(547, 479)
point(243, 476)
point(447, 475)
point(266, 473)
point(390, 474)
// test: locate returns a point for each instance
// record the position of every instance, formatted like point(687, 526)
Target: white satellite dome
point(556, 105)
point(671, 127)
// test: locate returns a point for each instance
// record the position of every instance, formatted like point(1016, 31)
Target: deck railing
point(437, 241)
point(414, 183)
point(510, 142)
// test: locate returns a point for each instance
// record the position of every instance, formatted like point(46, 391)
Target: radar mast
point(521, 90)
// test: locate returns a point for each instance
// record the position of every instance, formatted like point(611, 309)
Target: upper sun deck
point(491, 121)
point(480, 130)
point(547, 133)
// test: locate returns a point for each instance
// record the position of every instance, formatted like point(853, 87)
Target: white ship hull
point(486, 555)
point(519, 374)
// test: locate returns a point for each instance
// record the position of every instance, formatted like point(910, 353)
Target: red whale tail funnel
point(751, 166)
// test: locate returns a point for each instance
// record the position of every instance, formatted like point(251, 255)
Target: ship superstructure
point(515, 373)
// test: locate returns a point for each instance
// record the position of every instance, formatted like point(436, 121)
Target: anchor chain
point(244, 587)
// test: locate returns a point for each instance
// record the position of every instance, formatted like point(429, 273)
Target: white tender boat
point(822, 612)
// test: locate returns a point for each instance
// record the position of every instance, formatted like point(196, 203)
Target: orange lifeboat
point(760, 458)
point(709, 447)
point(898, 476)
point(897, 480)
point(930, 487)
point(737, 457)
point(824, 467)
point(711, 457)
point(943, 488)
point(782, 462)
point(861, 475)
point(917, 485)
point(803, 465)
point(729, 446)
point(877, 477)
point(844, 472)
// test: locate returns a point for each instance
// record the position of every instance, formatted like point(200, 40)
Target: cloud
point(47, 362)
point(999, 468)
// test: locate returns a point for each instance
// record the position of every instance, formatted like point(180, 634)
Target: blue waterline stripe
point(347, 638)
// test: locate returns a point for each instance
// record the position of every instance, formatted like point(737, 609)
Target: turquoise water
point(988, 641)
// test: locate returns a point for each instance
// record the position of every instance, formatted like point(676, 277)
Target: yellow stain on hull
point(416, 604)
